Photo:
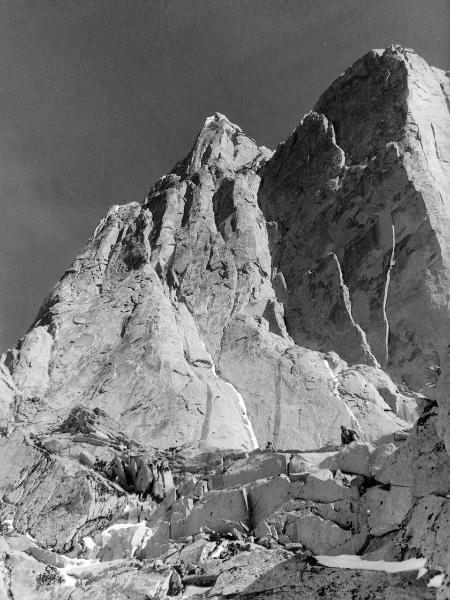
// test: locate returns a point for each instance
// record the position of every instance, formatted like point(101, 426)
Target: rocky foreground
point(253, 297)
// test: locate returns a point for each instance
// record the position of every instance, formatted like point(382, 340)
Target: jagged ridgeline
point(253, 297)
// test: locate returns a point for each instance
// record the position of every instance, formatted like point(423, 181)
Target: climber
point(269, 447)
point(347, 436)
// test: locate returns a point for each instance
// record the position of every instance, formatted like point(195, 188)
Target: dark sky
point(101, 97)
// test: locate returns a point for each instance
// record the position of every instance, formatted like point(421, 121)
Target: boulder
point(266, 495)
point(220, 511)
point(324, 490)
point(397, 469)
point(257, 466)
point(186, 487)
point(387, 508)
point(349, 514)
point(199, 489)
point(321, 536)
point(277, 520)
point(155, 543)
point(427, 531)
point(354, 458)
point(385, 547)
point(179, 513)
point(378, 457)
point(298, 464)
point(262, 530)
point(197, 552)
point(86, 459)
point(122, 541)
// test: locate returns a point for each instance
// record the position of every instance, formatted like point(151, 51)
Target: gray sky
point(101, 97)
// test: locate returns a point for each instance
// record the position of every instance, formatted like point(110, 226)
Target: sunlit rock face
point(125, 329)
point(194, 317)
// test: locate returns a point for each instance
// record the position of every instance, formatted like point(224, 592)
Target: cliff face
point(358, 194)
point(170, 322)
point(218, 295)
point(253, 296)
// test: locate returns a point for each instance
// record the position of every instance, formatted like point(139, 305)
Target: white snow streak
point(245, 418)
point(385, 294)
point(349, 561)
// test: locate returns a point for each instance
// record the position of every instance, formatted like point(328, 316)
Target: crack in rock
point(348, 306)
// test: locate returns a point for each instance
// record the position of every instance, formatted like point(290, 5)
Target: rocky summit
point(170, 424)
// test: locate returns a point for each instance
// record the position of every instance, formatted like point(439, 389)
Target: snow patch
point(68, 572)
point(9, 524)
point(349, 561)
point(89, 543)
point(436, 581)
point(107, 533)
point(67, 580)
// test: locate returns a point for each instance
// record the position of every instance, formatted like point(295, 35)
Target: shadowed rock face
point(358, 196)
point(252, 297)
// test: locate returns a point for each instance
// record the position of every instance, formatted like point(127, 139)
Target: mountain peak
point(239, 308)
point(219, 119)
point(221, 145)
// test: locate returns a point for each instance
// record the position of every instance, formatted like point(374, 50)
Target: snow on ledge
point(349, 561)
point(436, 581)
